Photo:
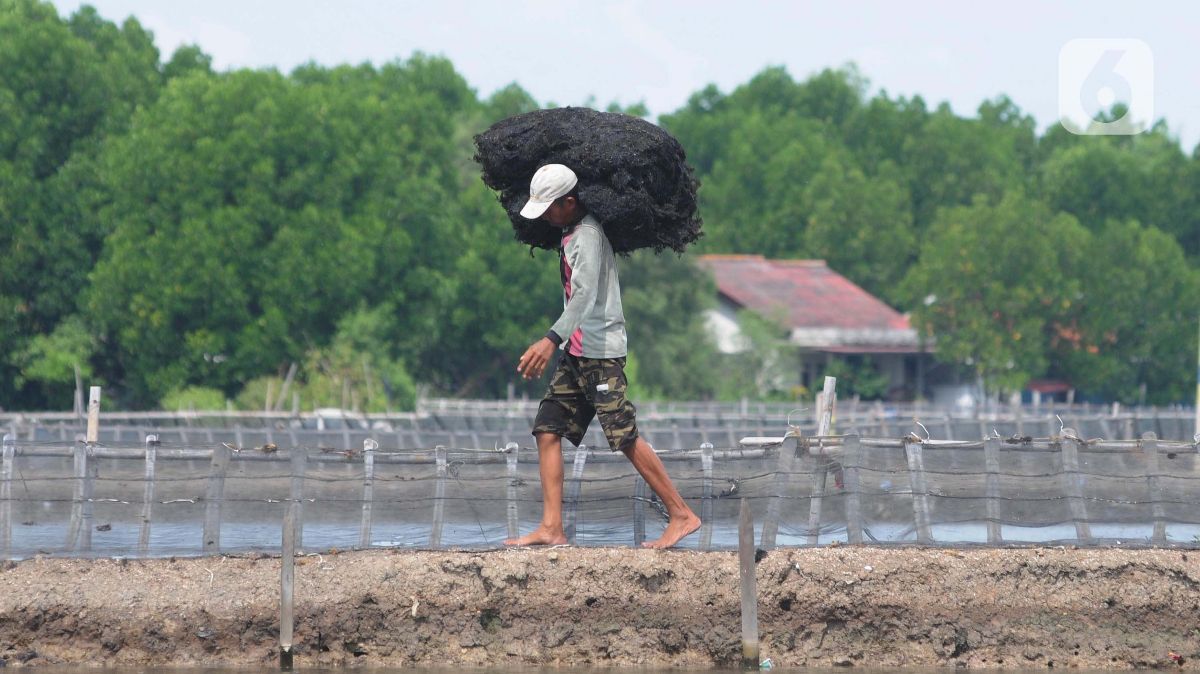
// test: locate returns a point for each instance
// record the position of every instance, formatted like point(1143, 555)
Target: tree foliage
point(184, 236)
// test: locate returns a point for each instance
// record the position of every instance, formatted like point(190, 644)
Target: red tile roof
point(800, 293)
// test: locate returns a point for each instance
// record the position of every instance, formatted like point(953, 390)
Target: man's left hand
point(533, 363)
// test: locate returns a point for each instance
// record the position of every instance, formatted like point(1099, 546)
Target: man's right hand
point(533, 363)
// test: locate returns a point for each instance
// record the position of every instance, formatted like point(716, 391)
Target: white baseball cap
point(549, 183)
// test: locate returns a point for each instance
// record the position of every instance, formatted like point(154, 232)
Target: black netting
point(633, 175)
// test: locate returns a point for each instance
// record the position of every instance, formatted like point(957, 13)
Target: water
point(184, 539)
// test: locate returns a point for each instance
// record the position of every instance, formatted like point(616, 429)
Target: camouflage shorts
point(582, 388)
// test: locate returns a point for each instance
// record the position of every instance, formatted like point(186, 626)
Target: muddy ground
point(841, 606)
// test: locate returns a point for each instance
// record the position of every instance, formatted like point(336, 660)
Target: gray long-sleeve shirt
point(592, 324)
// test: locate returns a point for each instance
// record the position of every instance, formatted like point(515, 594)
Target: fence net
point(200, 497)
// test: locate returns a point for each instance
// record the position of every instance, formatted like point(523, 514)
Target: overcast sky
point(659, 52)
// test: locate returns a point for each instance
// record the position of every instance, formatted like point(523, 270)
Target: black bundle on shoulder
point(633, 175)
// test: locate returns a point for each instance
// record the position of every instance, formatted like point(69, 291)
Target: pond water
point(184, 539)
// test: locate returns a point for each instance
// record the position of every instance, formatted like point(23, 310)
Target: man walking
point(590, 378)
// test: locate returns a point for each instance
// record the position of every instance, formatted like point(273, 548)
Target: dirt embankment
point(609, 606)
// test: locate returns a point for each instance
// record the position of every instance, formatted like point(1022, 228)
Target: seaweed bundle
point(633, 175)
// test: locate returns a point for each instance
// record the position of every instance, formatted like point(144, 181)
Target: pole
point(511, 450)
point(6, 508)
point(749, 588)
point(364, 530)
point(287, 575)
point(148, 494)
point(93, 416)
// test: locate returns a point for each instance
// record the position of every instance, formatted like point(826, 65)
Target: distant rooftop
point(821, 308)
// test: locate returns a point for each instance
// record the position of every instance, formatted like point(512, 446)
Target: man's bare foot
point(542, 535)
point(676, 530)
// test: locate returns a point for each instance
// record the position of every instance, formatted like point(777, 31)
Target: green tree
point(503, 297)
point(64, 87)
point(359, 370)
point(665, 298)
point(250, 211)
point(754, 372)
point(1147, 178)
point(1135, 323)
point(952, 160)
point(861, 226)
point(991, 282)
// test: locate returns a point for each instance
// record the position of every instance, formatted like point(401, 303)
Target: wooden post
point(920, 492)
point(818, 471)
point(287, 574)
point(78, 393)
point(706, 502)
point(639, 510)
point(7, 459)
point(283, 390)
point(299, 465)
point(75, 529)
point(991, 459)
point(1073, 485)
point(748, 587)
point(820, 465)
point(783, 476)
point(213, 499)
point(1154, 484)
point(851, 460)
point(364, 529)
point(93, 419)
point(511, 451)
point(826, 406)
point(148, 494)
point(571, 514)
point(439, 497)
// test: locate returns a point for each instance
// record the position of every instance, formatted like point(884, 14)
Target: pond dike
point(830, 606)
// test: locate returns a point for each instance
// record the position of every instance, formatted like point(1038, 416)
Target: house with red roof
point(824, 315)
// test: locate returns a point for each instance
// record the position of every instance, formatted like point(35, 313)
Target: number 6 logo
point(1096, 74)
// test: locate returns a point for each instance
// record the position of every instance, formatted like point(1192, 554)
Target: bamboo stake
point(920, 493)
point(80, 474)
point(364, 531)
point(820, 474)
point(513, 516)
point(851, 460)
point(706, 503)
point(287, 575)
point(93, 422)
point(748, 588)
point(991, 459)
point(298, 459)
point(1072, 482)
point(1154, 484)
point(439, 497)
point(783, 476)
point(148, 494)
point(213, 499)
point(571, 514)
point(6, 508)
point(639, 510)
